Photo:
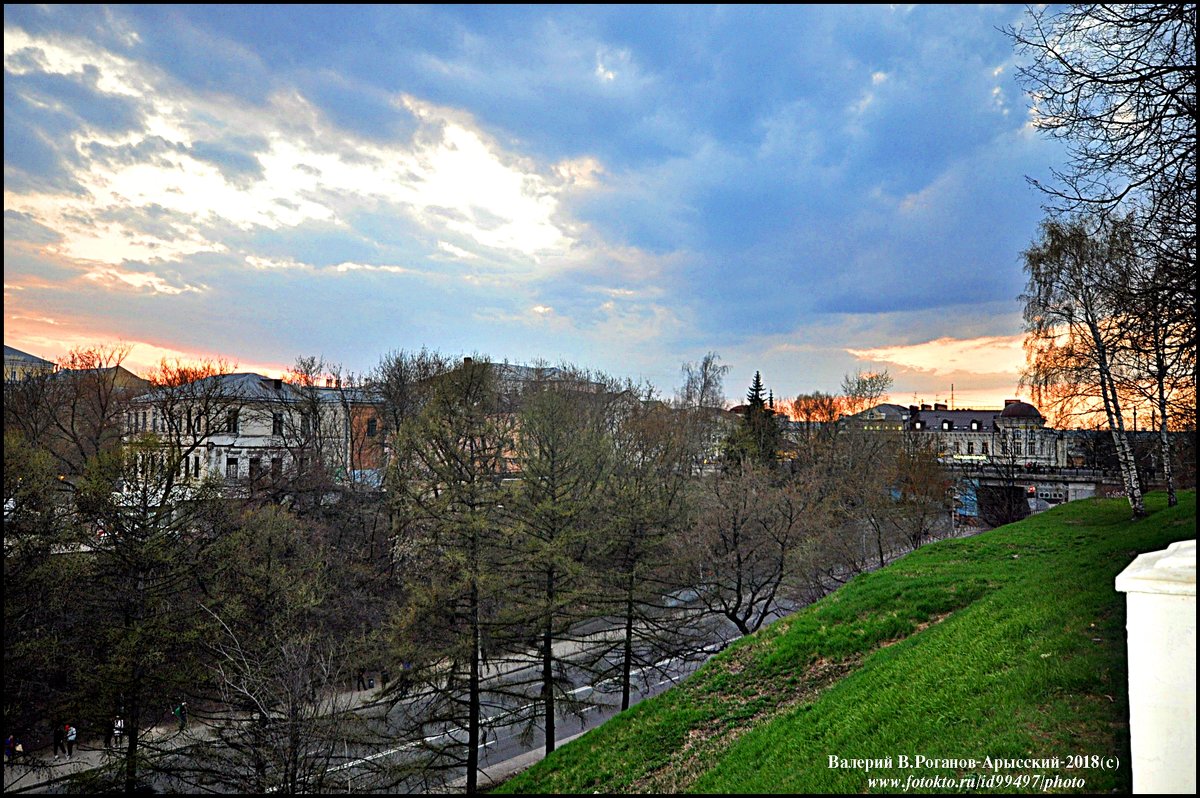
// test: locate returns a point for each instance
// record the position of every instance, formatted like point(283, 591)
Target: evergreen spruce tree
point(757, 438)
point(754, 397)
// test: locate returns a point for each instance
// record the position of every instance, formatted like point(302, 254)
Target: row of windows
point(148, 421)
point(232, 470)
point(1032, 447)
point(189, 468)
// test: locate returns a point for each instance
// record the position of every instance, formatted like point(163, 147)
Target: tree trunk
point(473, 699)
point(548, 662)
point(1116, 423)
point(133, 729)
point(627, 654)
point(1164, 443)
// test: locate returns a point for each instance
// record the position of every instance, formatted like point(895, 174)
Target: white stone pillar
point(1160, 590)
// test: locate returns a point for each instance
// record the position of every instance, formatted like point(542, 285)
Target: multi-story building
point(248, 428)
point(1017, 433)
point(18, 365)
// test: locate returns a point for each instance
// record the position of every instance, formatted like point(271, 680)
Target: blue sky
point(807, 191)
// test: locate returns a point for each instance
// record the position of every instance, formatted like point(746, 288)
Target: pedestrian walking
point(362, 679)
point(10, 748)
point(118, 730)
point(60, 740)
point(72, 733)
point(181, 713)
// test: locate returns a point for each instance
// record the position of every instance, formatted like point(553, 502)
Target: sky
point(806, 191)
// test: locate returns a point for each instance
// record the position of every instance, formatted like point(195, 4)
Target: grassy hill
point(1010, 644)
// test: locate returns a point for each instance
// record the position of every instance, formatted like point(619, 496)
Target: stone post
point(1160, 590)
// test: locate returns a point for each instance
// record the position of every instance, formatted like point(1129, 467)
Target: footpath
point(37, 770)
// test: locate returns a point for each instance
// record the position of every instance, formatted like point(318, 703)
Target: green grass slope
point(1008, 645)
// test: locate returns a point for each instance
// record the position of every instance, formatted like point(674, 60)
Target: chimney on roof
point(925, 406)
point(913, 408)
point(939, 406)
point(1008, 402)
point(278, 384)
point(467, 361)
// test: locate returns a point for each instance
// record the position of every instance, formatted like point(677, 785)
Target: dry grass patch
point(755, 702)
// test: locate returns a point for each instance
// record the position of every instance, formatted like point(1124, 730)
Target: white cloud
point(262, 263)
point(65, 56)
point(349, 266)
point(450, 180)
point(457, 252)
point(106, 275)
point(612, 63)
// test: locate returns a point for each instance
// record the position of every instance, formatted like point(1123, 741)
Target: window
point(231, 468)
point(196, 466)
point(255, 468)
point(276, 468)
point(372, 427)
point(231, 422)
point(974, 425)
point(946, 425)
point(277, 423)
point(918, 425)
point(983, 447)
point(304, 423)
point(957, 450)
point(970, 447)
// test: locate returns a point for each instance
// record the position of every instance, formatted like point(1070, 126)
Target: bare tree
point(1117, 83)
point(277, 660)
point(863, 390)
point(998, 483)
point(402, 380)
point(920, 489)
point(76, 411)
point(701, 398)
point(742, 549)
point(817, 414)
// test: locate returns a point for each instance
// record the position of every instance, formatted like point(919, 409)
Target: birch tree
point(1075, 326)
